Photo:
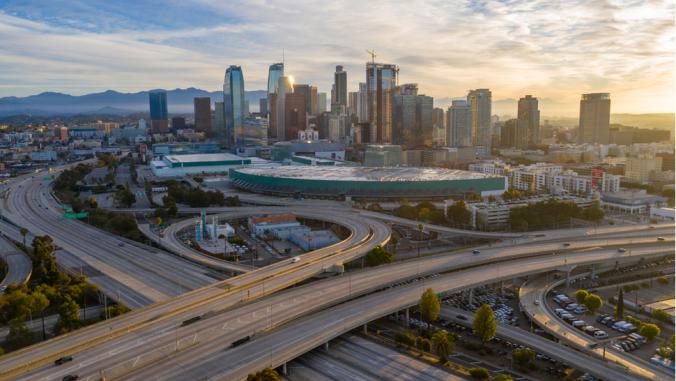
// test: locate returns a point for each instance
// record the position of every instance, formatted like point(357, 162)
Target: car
point(295, 259)
point(70, 377)
point(638, 338)
point(120, 244)
point(559, 311)
point(571, 306)
point(63, 360)
point(621, 250)
point(580, 310)
point(536, 302)
point(660, 238)
point(589, 329)
point(578, 323)
point(600, 318)
point(566, 244)
point(461, 317)
point(600, 334)
point(475, 251)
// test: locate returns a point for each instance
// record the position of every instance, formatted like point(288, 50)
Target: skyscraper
point(352, 102)
point(234, 103)
point(306, 91)
point(294, 116)
point(284, 87)
point(480, 104)
point(218, 127)
point(314, 110)
point(274, 73)
point(321, 103)
point(528, 122)
point(509, 134)
point(362, 112)
point(594, 118)
point(340, 87)
point(381, 79)
point(159, 116)
point(412, 124)
point(202, 110)
point(459, 124)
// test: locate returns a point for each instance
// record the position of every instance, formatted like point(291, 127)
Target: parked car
point(590, 329)
point(579, 323)
point(580, 310)
point(600, 334)
point(638, 338)
point(571, 306)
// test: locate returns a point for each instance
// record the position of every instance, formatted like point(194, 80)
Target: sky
point(554, 50)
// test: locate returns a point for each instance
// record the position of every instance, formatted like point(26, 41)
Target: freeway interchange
point(281, 322)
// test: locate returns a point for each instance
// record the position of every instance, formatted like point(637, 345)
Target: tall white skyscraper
point(459, 124)
point(480, 103)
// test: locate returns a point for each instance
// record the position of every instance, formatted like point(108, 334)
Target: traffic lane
point(306, 333)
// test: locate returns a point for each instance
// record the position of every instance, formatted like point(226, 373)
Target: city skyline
point(556, 54)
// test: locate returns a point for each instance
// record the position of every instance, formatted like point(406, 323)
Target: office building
point(294, 116)
point(306, 92)
point(321, 103)
point(284, 88)
point(352, 102)
point(313, 110)
point(528, 122)
point(234, 103)
point(202, 109)
point(381, 80)
point(480, 104)
point(275, 72)
point(340, 87)
point(177, 123)
point(459, 124)
point(252, 133)
point(594, 118)
point(362, 103)
point(438, 117)
point(639, 169)
point(159, 116)
point(263, 106)
point(218, 119)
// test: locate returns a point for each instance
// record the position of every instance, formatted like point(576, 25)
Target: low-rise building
point(313, 239)
point(632, 201)
point(279, 226)
point(663, 214)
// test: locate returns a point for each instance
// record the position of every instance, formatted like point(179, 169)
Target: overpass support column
point(593, 270)
point(568, 277)
point(471, 296)
point(284, 370)
point(365, 329)
point(326, 346)
point(407, 321)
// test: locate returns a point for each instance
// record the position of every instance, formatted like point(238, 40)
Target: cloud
point(554, 50)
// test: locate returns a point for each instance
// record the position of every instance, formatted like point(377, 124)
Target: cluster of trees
point(124, 196)
point(592, 301)
point(458, 215)
point(69, 178)
point(524, 357)
point(50, 292)
point(550, 214)
point(667, 348)
point(378, 256)
point(198, 198)
point(117, 223)
point(266, 374)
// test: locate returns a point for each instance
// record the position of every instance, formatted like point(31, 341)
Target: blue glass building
point(275, 72)
point(158, 105)
point(235, 104)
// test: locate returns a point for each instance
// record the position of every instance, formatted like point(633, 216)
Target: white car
point(295, 259)
point(600, 335)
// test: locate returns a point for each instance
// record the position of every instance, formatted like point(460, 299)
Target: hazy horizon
point(554, 51)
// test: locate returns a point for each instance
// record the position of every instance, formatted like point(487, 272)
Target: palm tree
point(442, 344)
point(24, 232)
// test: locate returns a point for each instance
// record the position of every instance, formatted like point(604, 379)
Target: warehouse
point(366, 183)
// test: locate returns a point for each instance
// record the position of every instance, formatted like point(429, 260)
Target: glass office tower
point(159, 116)
point(275, 72)
point(234, 103)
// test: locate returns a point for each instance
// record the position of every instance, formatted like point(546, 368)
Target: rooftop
point(389, 174)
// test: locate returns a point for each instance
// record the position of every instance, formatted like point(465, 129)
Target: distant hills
point(110, 102)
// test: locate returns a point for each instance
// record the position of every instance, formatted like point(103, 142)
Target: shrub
point(663, 280)
point(479, 373)
point(405, 338)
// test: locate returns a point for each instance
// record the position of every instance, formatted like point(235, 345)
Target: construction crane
point(372, 53)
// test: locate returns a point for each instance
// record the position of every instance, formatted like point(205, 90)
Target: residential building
point(509, 134)
point(528, 122)
point(480, 105)
point(381, 80)
point(202, 112)
point(639, 169)
point(234, 103)
point(159, 115)
point(594, 118)
point(459, 124)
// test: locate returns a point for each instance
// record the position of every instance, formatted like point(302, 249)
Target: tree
point(619, 309)
point(423, 344)
point(593, 303)
point(593, 213)
point(523, 357)
point(650, 331)
point(266, 374)
point(158, 221)
point(39, 304)
point(24, 232)
point(405, 338)
point(501, 377)
point(458, 213)
point(484, 323)
point(125, 197)
point(479, 373)
point(429, 305)
point(443, 344)
point(378, 256)
point(394, 242)
point(580, 295)
point(69, 315)
point(19, 335)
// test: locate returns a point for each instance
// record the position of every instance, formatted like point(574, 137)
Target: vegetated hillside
point(662, 121)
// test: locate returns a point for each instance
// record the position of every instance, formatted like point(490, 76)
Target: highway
point(302, 334)
point(233, 324)
point(19, 265)
point(545, 318)
point(583, 362)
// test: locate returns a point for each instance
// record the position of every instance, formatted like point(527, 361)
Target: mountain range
point(111, 102)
